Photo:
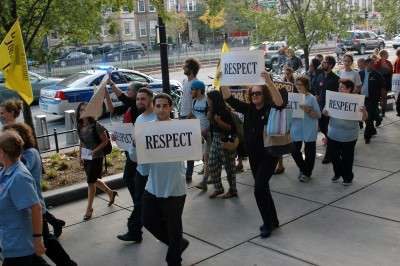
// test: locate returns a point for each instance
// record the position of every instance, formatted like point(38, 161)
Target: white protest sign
point(86, 154)
point(344, 105)
point(94, 107)
point(396, 82)
point(242, 68)
point(168, 141)
point(123, 134)
point(295, 100)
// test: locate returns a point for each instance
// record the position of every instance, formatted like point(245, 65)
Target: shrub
point(51, 173)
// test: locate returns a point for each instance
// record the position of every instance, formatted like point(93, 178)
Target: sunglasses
point(256, 93)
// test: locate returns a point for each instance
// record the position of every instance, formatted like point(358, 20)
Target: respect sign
point(168, 141)
point(242, 68)
point(123, 134)
point(295, 100)
point(344, 105)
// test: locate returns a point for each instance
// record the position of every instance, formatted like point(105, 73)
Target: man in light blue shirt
point(144, 104)
point(164, 198)
point(364, 88)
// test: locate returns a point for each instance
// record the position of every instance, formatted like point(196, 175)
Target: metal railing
point(56, 140)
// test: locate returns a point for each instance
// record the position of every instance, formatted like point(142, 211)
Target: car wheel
point(395, 46)
point(381, 46)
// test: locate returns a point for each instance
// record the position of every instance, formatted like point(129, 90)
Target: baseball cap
point(198, 85)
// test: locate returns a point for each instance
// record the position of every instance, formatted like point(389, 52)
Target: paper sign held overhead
point(344, 105)
point(242, 68)
point(168, 141)
point(95, 106)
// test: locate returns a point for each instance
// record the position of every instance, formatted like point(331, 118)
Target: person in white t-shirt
point(349, 73)
point(190, 69)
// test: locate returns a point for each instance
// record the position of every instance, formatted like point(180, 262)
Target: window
point(191, 5)
point(153, 25)
point(142, 28)
point(141, 6)
point(172, 5)
point(127, 28)
point(134, 77)
point(151, 7)
point(118, 78)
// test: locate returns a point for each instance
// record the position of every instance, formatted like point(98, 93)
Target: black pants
point(54, 250)
point(135, 223)
point(129, 175)
point(263, 167)
point(163, 218)
point(323, 123)
point(306, 165)
point(50, 218)
point(398, 104)
point(31, 260)
point(373, 115)
point(189, 168)
point(342, 156)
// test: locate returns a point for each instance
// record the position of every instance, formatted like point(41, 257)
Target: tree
point(176, 25)
point(303, 23)
point(213, 20)
point(73, 20)
point(389, 10)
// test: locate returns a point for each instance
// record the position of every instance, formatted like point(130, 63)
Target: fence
point(56, 140)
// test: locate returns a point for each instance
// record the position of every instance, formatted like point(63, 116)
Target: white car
point(396, 42)
point(67, 94)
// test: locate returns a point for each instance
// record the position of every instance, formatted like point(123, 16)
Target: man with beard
point(190, 69)
point(327, 80)
point(144, 105)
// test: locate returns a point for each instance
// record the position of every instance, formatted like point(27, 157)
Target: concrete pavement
point(321, 223)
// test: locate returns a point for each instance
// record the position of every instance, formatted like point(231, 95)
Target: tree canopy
point(389, 10)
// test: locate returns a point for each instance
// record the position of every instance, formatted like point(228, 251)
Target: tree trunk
point(306, 49)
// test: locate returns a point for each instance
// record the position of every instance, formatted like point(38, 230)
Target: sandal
point(230, 194)
point(88, 215)
point(216, 194)
point(112, 199)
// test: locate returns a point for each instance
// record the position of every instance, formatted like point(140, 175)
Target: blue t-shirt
point(306, 129)
point(132, 152)
point(31, 158)
point(343, 130)
point(200, 112)
point(166, 179)
point(17, 195)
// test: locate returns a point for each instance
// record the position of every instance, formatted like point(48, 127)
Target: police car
point(67, 94)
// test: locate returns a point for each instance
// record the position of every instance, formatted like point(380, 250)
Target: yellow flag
point(13, 63)
point(217, 79)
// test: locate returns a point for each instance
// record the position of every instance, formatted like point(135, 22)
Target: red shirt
point(396, 69)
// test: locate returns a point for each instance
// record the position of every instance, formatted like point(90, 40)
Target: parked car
point(361, 41)
point(78, 87)
point(74, 58)
point(396, 42)
point(37, 82)
point(126, 52)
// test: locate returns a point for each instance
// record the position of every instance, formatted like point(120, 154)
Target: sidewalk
point(321, 223)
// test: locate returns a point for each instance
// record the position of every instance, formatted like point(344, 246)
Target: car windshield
point(73, 78)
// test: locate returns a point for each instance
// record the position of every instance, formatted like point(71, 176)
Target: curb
point(76, 192)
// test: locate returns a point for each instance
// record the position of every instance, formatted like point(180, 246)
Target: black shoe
point(128, 237)
point(184, 244)
point(326, 160)
point(265, 233)
point(398, 114)
point(335, 179)
point(188, 179)
point(58, 228)
point(378, 123)
point(367, 141)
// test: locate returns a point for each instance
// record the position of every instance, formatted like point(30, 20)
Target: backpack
point(108, 148)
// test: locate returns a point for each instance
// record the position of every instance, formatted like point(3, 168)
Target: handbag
point(231, 144)
point(277, 140)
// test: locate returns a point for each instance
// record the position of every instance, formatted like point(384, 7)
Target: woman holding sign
point(305, 130)
point(93, 139)
point(262, 164)
point(222, 129)
point(342, 139)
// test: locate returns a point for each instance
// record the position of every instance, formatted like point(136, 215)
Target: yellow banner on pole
point(217, 79)
point(13, 63)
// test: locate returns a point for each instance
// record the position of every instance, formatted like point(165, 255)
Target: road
point(57, 122)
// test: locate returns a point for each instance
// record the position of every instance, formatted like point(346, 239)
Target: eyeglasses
point(256, 93)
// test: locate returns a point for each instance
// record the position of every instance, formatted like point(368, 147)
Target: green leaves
point(389, 10)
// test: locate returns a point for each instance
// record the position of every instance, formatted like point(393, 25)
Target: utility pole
point(164, 55)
